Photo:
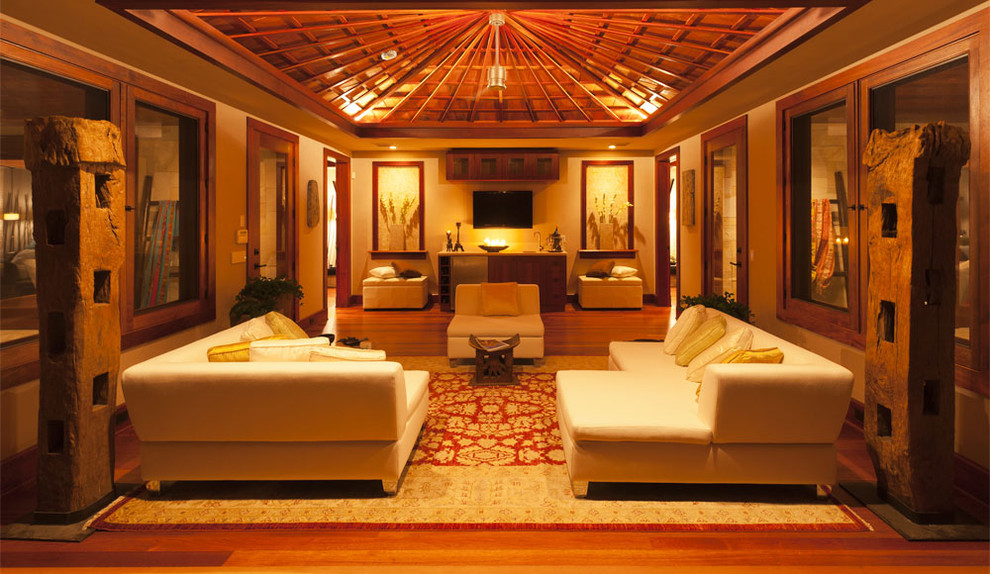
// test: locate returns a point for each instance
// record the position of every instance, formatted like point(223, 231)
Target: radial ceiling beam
point(440, 51)
point(563, 55)
point(511, 39)
point(467, 39)
point(529, 39)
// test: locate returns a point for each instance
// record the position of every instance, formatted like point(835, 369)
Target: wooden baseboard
point(972, 481)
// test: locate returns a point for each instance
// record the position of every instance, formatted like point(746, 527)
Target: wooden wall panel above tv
point(519, 164)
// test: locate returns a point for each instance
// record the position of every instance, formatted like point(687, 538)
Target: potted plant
point(725, 303)
point(262, 295)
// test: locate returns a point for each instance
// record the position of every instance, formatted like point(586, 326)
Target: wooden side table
point(493, 361)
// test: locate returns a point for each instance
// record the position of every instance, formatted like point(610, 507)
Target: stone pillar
point(912, 188)
point(77, 181)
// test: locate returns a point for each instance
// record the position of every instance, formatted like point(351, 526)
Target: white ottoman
point(610, 292)
point(395, 293)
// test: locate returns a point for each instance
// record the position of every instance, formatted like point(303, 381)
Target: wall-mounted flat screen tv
point(512, 209)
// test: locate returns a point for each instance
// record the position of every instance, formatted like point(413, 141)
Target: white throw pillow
point(687, 322)
point(738, 340)
point(255, 329)
point(623, 271)
point(383, 272)
point(286, 350)
point(347, 354)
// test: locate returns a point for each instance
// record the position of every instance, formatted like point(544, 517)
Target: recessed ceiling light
point(611, 146)
point(393, 147)
point(389, 54)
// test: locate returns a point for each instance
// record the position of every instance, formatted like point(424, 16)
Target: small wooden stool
point(492, 361)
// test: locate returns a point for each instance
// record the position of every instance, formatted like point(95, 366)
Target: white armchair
point(468, 321)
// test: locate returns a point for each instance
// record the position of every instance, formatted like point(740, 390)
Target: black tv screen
point(512, 209)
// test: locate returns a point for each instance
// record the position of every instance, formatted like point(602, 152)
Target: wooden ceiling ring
point(651, 66)
point(428, 53)
point(549, 51)
point(434, 26)
point(337, 26)
point(608, 68)
point(656, 24)
point(558, 23)
point(578, 65)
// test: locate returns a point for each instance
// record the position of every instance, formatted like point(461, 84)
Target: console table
point(548, 270)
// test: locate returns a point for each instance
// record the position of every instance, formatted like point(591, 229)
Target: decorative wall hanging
point(606, 205)
point(687, 198)
point(397, 196)
point(312, 203)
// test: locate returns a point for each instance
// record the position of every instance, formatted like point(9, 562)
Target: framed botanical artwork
point(398, 196)
point(606, 205)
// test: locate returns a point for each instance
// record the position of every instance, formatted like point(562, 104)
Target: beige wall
point(972, 410)
point(555, 204)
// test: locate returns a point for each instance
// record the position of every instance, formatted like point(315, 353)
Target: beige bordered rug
point(488, 458)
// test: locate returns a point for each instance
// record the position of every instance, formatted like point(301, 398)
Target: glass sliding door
point(725, 237)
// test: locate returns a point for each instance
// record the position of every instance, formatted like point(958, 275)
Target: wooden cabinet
point(502, 165)
point(547, 271)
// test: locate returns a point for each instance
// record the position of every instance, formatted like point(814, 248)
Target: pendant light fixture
point(496, 73)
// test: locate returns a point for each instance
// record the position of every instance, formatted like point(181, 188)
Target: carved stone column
point(77, 181)
point(912, 188)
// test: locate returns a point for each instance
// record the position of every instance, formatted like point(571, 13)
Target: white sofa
point(200, 420)
point(395, 293)
point(642, 421)
point(468, 320)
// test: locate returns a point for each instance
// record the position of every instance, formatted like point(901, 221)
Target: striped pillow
point(700, 339)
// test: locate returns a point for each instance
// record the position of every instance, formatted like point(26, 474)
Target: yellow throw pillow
point(771, 355)
point(282, 325)
point(738, 340)
point(235, 352)
point(700, 339)
point(690, 319)
point(499, 299)
point(287, 350)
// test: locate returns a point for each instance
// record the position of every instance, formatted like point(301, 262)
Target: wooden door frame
point(342, 182)
point(662, 165)
point(258, 131)
point(733, 132)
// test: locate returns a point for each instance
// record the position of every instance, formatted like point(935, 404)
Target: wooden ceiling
point(573, 68)
point(563, 67)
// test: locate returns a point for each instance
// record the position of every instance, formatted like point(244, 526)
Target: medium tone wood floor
point(422, 333)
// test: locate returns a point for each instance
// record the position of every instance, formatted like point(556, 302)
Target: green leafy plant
point(725, 303)
point(262, 295)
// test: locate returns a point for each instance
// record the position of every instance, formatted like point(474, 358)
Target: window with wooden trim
point(149, 113)
point(821, 288)
point(169, 210)
point(822, 276)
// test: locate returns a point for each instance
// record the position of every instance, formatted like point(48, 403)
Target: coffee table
point(493, 360)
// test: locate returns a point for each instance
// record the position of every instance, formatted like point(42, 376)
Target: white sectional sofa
point(200, 420)
point(642, 421)
point(468, 320)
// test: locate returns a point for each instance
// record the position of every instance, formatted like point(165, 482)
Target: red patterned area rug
point(489, 458)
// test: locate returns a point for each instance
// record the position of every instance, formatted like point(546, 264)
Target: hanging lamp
point(496, 73)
